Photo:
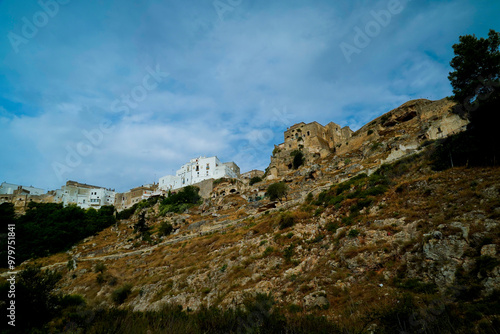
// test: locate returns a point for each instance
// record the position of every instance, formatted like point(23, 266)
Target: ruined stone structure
point(135, 195)
point(313, 140)
point(391, 136)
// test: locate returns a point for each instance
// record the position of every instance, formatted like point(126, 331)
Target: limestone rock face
point(316, 300)
point(444, 250)
point(489, 250)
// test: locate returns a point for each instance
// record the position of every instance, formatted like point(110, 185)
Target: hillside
point(369, 236)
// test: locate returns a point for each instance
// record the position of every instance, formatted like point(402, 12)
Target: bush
point(118, 296)
point(269, 250)
point(165, 228)
point(415, 285)
point(181, 201)
point(353, 233)
point(277, 191)
point(100, 267)
point(254, 180)
point(127, 213)
point(332, 227)
point(289, 252)
point(286, 220)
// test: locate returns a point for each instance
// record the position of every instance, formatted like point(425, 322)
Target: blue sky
point(120, 93)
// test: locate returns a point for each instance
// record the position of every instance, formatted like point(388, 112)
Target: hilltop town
point(396, 134)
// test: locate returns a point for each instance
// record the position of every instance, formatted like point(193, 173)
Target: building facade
point(10, 189)
point(86, 196)
point(126, 200)
point(197, 170)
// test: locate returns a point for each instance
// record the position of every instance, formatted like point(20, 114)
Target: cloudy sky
point(118, 93)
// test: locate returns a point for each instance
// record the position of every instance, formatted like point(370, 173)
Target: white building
point(86, 196)
point(197, 170)
point(9, 188)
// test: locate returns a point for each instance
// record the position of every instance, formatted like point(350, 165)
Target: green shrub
point(99, 267)
point(165, 228)
point(417, 286)
point(254, 180)
point(269, 250)
point(127, 213)
point(309, 198)
point(361, 204)
point(294, 308)
point(332, 227)
point(318, 238)
point(289, 252)
point(181, 201)
point(286, 220)
point(119, 295)
point(353, 233)
point(347, 220)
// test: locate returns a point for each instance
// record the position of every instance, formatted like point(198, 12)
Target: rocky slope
point(352, 237)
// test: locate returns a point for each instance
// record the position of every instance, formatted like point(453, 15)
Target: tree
point(277, 191)
point(476, 76)
point(36, 299)
point(476, 88)
point(165, 228)
point(141, 226)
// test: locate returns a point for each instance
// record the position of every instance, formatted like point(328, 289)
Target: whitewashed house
point(10, 188)
point(197, 170)
point(86, 196)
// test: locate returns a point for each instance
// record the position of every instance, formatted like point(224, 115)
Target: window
point(308, 133)
point(208, 166)
point(197, 168)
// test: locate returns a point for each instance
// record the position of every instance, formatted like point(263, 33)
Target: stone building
point(313, 140)
point(126, 200)
point(253, 173)
point(315, 137)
